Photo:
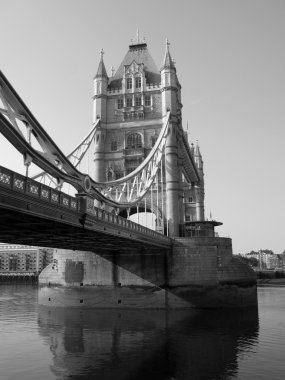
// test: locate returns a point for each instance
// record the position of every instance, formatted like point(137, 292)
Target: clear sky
point(230, 61)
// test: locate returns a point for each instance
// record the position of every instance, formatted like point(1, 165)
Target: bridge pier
point(197, 273)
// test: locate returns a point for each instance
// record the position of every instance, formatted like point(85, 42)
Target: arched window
point(138, 82)
point(129, 83)
point(134, 141)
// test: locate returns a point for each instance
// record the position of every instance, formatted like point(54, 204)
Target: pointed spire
point(138, 36)
point(168, 61)
point(138, 40)
point(101, 72)
point(198, 156)
point(197, 150)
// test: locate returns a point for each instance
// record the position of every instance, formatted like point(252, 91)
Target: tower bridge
point(142, 161)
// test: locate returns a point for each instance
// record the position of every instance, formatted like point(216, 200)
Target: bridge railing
point(98, 214)
point(26, 185)
point(81, 204)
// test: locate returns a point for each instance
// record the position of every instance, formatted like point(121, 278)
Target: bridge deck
point(34, 214)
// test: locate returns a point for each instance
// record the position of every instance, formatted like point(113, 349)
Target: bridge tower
point(132, 106)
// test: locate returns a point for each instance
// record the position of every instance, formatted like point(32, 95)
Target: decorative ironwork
point(45, 193)
point(5, 178)
point(65, 201)
point(73, 204)
point(34, 189)
point(55, 197)
point(19, 183)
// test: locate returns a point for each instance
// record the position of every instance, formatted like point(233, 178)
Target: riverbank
point(271, 281)
point(270, 278)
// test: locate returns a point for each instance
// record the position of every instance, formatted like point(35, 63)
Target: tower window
point(153, 140)
point(120, 103)
point(114, 146)
point(138, 101)
point(138, 82)
point(134, 141)
point(147, 101)
point(129, 102)
point(129, 83)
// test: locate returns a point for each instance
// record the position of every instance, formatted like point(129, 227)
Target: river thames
point(42, 343)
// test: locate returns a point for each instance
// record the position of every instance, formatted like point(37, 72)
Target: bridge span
point(34, 214)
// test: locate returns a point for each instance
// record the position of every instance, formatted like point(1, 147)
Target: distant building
point(268, 260)
point(21, 258)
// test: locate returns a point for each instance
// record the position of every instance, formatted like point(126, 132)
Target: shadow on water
point(129, 344)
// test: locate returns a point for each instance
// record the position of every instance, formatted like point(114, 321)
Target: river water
point(45, 344)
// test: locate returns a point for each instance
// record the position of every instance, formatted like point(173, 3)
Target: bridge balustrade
point(25, 185)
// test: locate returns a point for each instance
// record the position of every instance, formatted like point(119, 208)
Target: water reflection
point(105, 344)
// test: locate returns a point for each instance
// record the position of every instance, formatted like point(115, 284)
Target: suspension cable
point(151, 204)
point(162, 197)
point(157, 220)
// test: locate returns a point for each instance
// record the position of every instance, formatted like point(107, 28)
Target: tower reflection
point(141, 344)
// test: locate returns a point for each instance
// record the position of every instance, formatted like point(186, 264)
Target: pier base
point(197, 273)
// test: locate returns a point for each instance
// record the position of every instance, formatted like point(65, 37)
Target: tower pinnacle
point(137, 40)
point(168, 61)
point(101, 72)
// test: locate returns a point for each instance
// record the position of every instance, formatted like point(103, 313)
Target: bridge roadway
point(34, 214)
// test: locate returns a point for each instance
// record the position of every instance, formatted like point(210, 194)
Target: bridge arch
point(155, 218)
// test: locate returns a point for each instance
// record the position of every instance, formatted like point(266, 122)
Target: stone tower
point(132, 105)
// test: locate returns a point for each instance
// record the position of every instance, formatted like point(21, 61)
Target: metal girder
point(19, 126)
point(15, 118)
point(75, 157)
point(189, 167)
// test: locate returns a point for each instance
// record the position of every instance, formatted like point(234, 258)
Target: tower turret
point(100, 112)
point(170, 102)
point(168, 83)
point(100, 91)
point(199, 187)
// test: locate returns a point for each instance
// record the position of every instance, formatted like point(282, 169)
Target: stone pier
point(196, 273)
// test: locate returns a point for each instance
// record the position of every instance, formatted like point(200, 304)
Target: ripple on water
point(48, 344)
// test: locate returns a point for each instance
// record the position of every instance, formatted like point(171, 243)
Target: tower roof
point(139, 53)
point(101, 72)
point(168, 61)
